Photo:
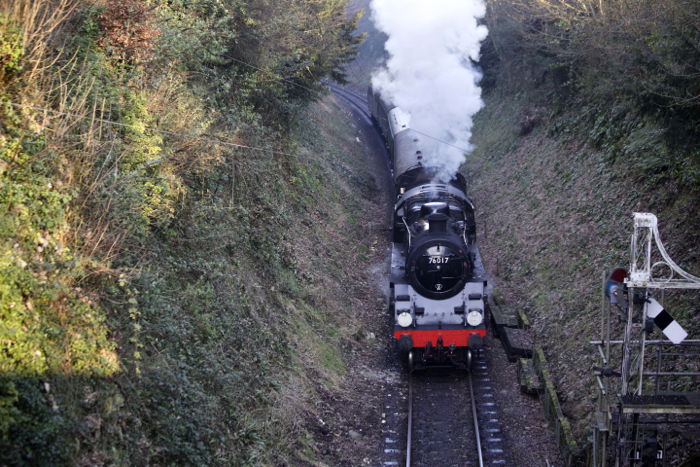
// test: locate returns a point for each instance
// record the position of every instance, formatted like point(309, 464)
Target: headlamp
point(475, 318)
point(404, 319)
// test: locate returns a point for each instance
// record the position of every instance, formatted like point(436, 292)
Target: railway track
point(355, 100)
point(449, 418)
point(446, 418)
point(442, 428)
point(452, 420)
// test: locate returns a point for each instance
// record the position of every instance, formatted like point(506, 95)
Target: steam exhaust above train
point(438, 299)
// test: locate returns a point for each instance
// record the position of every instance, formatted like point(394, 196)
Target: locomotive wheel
point(469, 360)
point(409, 361)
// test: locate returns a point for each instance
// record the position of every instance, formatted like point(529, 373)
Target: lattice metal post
point(640, 261)
point(643, 278)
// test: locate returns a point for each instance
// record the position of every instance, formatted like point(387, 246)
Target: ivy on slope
point(48, 324)
point(152, 287)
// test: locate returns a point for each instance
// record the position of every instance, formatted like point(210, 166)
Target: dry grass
point(57, 101)
point(41, 23)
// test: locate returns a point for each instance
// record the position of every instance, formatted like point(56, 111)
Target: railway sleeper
point(528, 380)
point(517, 343)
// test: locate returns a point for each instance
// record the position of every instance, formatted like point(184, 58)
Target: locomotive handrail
point(425, 189)
point(408, 231)
point(409, 168)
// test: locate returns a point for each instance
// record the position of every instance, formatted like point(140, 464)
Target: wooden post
point(233, 176)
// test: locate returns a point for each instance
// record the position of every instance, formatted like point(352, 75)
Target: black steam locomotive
point(437, 287)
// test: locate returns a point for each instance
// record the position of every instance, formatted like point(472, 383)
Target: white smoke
point(429, 72)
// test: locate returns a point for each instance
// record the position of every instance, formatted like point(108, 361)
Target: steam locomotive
point(437, 289)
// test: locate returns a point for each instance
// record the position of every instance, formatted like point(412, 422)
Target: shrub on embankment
point(158, 303)
point(591, 114)
point(628, 72)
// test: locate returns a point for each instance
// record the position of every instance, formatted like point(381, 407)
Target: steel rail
point(361, 109)
point(349, 95)
point(359, 104)
point(355, 100)
point(410, 421)
point(476, 421)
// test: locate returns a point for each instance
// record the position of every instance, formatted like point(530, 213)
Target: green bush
point(147, 282)
point(10, 48)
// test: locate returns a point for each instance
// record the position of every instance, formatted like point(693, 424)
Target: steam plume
point(430, 73)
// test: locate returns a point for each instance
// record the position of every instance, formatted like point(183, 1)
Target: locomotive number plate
point(438, 260)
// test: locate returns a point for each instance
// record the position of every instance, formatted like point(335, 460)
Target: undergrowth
point(556, 181)
point(161, 287)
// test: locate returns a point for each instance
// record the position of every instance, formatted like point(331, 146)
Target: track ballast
point(453, 419)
